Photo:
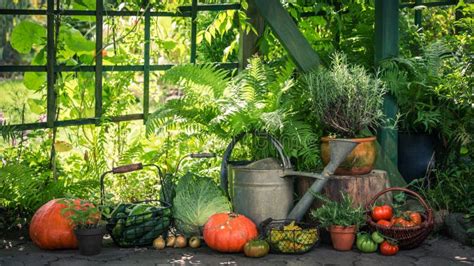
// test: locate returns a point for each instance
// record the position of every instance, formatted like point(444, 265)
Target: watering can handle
point(228, 152)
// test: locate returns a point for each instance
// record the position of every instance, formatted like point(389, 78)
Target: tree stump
point(361, 188)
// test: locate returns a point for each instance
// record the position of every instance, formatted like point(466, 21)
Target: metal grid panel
point(185, 11)
point(418, 14)
point(52, 69)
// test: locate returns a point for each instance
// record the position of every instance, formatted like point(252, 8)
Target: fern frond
point(8, 132)
point(301, 141)
point(205, 75)
point(131, 154)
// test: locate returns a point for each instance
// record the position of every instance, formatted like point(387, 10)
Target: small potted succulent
point(341, 219)
point(347, 100)
point(87, 224)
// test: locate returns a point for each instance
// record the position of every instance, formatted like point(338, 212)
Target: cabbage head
point(197, 198)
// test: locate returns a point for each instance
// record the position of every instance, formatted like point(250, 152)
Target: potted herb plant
point(347, 100)
point(341, 219)
point(86, 220)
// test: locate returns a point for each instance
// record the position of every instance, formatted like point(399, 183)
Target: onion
point(159, 243)
point(194, 242)
point(180, 242)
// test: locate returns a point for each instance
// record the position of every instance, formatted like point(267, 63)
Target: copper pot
point(359, 162)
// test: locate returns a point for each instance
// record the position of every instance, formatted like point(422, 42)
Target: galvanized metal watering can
point(264, 189)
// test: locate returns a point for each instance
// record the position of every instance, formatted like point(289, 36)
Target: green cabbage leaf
point(197, 198)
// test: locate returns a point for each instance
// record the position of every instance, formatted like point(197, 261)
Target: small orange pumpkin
point(229, 232)
point(49, 229)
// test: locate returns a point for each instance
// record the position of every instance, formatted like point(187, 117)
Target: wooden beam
point(248, 41)
point(285, 29)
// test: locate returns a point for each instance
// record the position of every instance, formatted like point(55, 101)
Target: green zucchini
point(121, 215)
point(159, 229)
point(137, 231)
point(133, 220)
point(118, 228)
point(139, 209)
point(119, 209)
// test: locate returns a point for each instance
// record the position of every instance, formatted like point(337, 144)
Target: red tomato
point(384, 212)
point(415, 217)
point(401, 222)
point(384, 223)
point(388, 249)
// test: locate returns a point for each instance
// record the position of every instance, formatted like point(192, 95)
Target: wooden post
point(386, 46)
point(248, 42)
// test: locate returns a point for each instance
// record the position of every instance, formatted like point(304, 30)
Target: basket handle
point(408, 191)
point(126, 169)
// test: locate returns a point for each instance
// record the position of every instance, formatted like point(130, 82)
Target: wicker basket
point(410, 237)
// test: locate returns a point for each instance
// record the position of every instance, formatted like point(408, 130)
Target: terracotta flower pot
point(342, 237)
point(359, 162)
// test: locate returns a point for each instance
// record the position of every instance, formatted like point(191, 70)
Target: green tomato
point(377, 237)
point(256, 248)
point(361, 237)
point(365, 244)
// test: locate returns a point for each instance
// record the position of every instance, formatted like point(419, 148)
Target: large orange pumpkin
point(49, 229)
point(228, 232)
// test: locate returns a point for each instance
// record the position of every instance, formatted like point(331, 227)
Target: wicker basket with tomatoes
point(409, 228)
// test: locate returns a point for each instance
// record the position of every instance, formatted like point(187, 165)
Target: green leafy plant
point(449, 189)
point(338, 213)
point(214, 103)
point(346, 98)
point(260, 98)
point(412, 81)
point(81, 213)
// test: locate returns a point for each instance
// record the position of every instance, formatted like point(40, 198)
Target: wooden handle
point(127, 168)
point(429, 211)
point(202, 155)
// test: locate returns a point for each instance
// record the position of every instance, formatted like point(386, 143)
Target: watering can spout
point(340, 149)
